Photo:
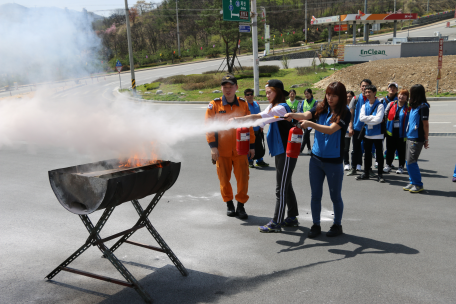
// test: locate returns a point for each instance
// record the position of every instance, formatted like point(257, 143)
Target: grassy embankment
point(188, 88)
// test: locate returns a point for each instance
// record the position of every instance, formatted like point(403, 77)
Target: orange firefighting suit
point(220, 110)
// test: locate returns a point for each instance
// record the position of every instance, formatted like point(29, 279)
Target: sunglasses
point(248, 94)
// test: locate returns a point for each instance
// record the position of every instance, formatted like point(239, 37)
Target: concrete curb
point(116, 92)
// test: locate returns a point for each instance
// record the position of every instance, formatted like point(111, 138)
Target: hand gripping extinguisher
point(243, 141)
point(294, 142)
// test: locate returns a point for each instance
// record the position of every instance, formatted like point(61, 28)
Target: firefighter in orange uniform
point(223, 146)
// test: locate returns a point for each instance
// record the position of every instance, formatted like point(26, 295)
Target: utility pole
point(366, 25)
point(395, 21)
point(130, 49)
point(178, 39)
point(256, 62)
point(306, 21)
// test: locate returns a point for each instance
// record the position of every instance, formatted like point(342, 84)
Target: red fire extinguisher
point(243, 141)
point(294, 142)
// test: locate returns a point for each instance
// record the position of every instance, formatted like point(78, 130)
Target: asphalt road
point(424, 31)
point(397, 246)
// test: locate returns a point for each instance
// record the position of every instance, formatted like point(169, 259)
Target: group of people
point(402, 117)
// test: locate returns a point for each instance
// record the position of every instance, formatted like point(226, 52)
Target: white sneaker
point(400, 170)
point(387, 169)
point(358, 168)
point(346, 167)
point(308, 151)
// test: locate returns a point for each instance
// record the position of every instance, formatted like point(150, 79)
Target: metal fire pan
point(86, 188)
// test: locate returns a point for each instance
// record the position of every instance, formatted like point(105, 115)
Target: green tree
point(227, 30)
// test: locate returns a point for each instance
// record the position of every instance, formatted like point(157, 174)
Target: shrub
point(303, 70)
point(242, 76)
point(152, 86)
point(208, 84)
point(265, 69)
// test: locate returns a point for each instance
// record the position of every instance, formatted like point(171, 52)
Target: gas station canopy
point(361, 18)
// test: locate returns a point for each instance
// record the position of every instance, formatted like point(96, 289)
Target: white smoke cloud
point(38, 45)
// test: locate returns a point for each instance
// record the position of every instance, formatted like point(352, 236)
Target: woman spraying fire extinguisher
point(332, 119)
point(278, 138)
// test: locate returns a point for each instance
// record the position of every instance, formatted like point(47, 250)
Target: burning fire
point(135, 161)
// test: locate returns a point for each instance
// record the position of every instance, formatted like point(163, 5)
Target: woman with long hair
point(417, 136)
point(304, 106)
point(326, 161)
point(277, 139)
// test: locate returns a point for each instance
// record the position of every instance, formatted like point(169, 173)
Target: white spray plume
point(121, 127)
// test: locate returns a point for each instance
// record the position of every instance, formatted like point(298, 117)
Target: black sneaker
point(372, 174)
point(362, 176)
point(262, 164)
point(240, 211)
point(230, 209)
point(315, 231)
point(251, 165)
point(335, 230)
point(381, 179)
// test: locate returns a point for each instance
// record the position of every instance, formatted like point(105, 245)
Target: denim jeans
point(318, 170)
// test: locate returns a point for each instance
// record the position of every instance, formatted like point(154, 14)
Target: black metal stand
point(94, 239)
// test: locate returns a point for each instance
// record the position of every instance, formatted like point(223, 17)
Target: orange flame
point(135, 161)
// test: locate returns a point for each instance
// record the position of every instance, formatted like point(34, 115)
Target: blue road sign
point(118, 66)
point(244, 28)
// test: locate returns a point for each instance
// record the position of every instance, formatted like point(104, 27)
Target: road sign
point(118, 66)
point(244, 28)
point(440, 53)
point(236, 10)
point(341, 28)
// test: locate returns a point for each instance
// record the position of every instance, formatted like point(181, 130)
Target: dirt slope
point(405, 71)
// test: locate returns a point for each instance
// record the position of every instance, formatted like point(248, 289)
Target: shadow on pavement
point(95, 293)
point(376, 247)
point(166, 285)
point(439, 193)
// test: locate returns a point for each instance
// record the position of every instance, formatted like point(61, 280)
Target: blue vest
point(357, 124)
point(414, 122)
point(254, 109)
point(377, 129)
point(325, 145)
point(274, 138)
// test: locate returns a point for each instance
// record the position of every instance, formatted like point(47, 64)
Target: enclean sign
point(366, 52)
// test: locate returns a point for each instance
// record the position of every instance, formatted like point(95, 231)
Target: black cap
point(229, 79)
point(275, 83)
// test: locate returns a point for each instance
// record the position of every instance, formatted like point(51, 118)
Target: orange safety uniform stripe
point(226, 140)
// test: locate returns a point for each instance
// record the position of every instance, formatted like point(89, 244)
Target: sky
point(99, 7)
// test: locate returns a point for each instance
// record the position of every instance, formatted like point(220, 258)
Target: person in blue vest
point(397, 116)
point(392, 95)
point(417, 136)
point(356, 126)
point(254, 108)
point(326, 161)
point(454, 175)
point(304, 106)
point(277, 139)
point(371, 115)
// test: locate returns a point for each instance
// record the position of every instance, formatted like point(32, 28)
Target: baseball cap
point(393, 84)
point(229, 79)
point(275, 83)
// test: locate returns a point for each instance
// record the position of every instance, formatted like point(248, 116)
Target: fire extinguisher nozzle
point(279, 117)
